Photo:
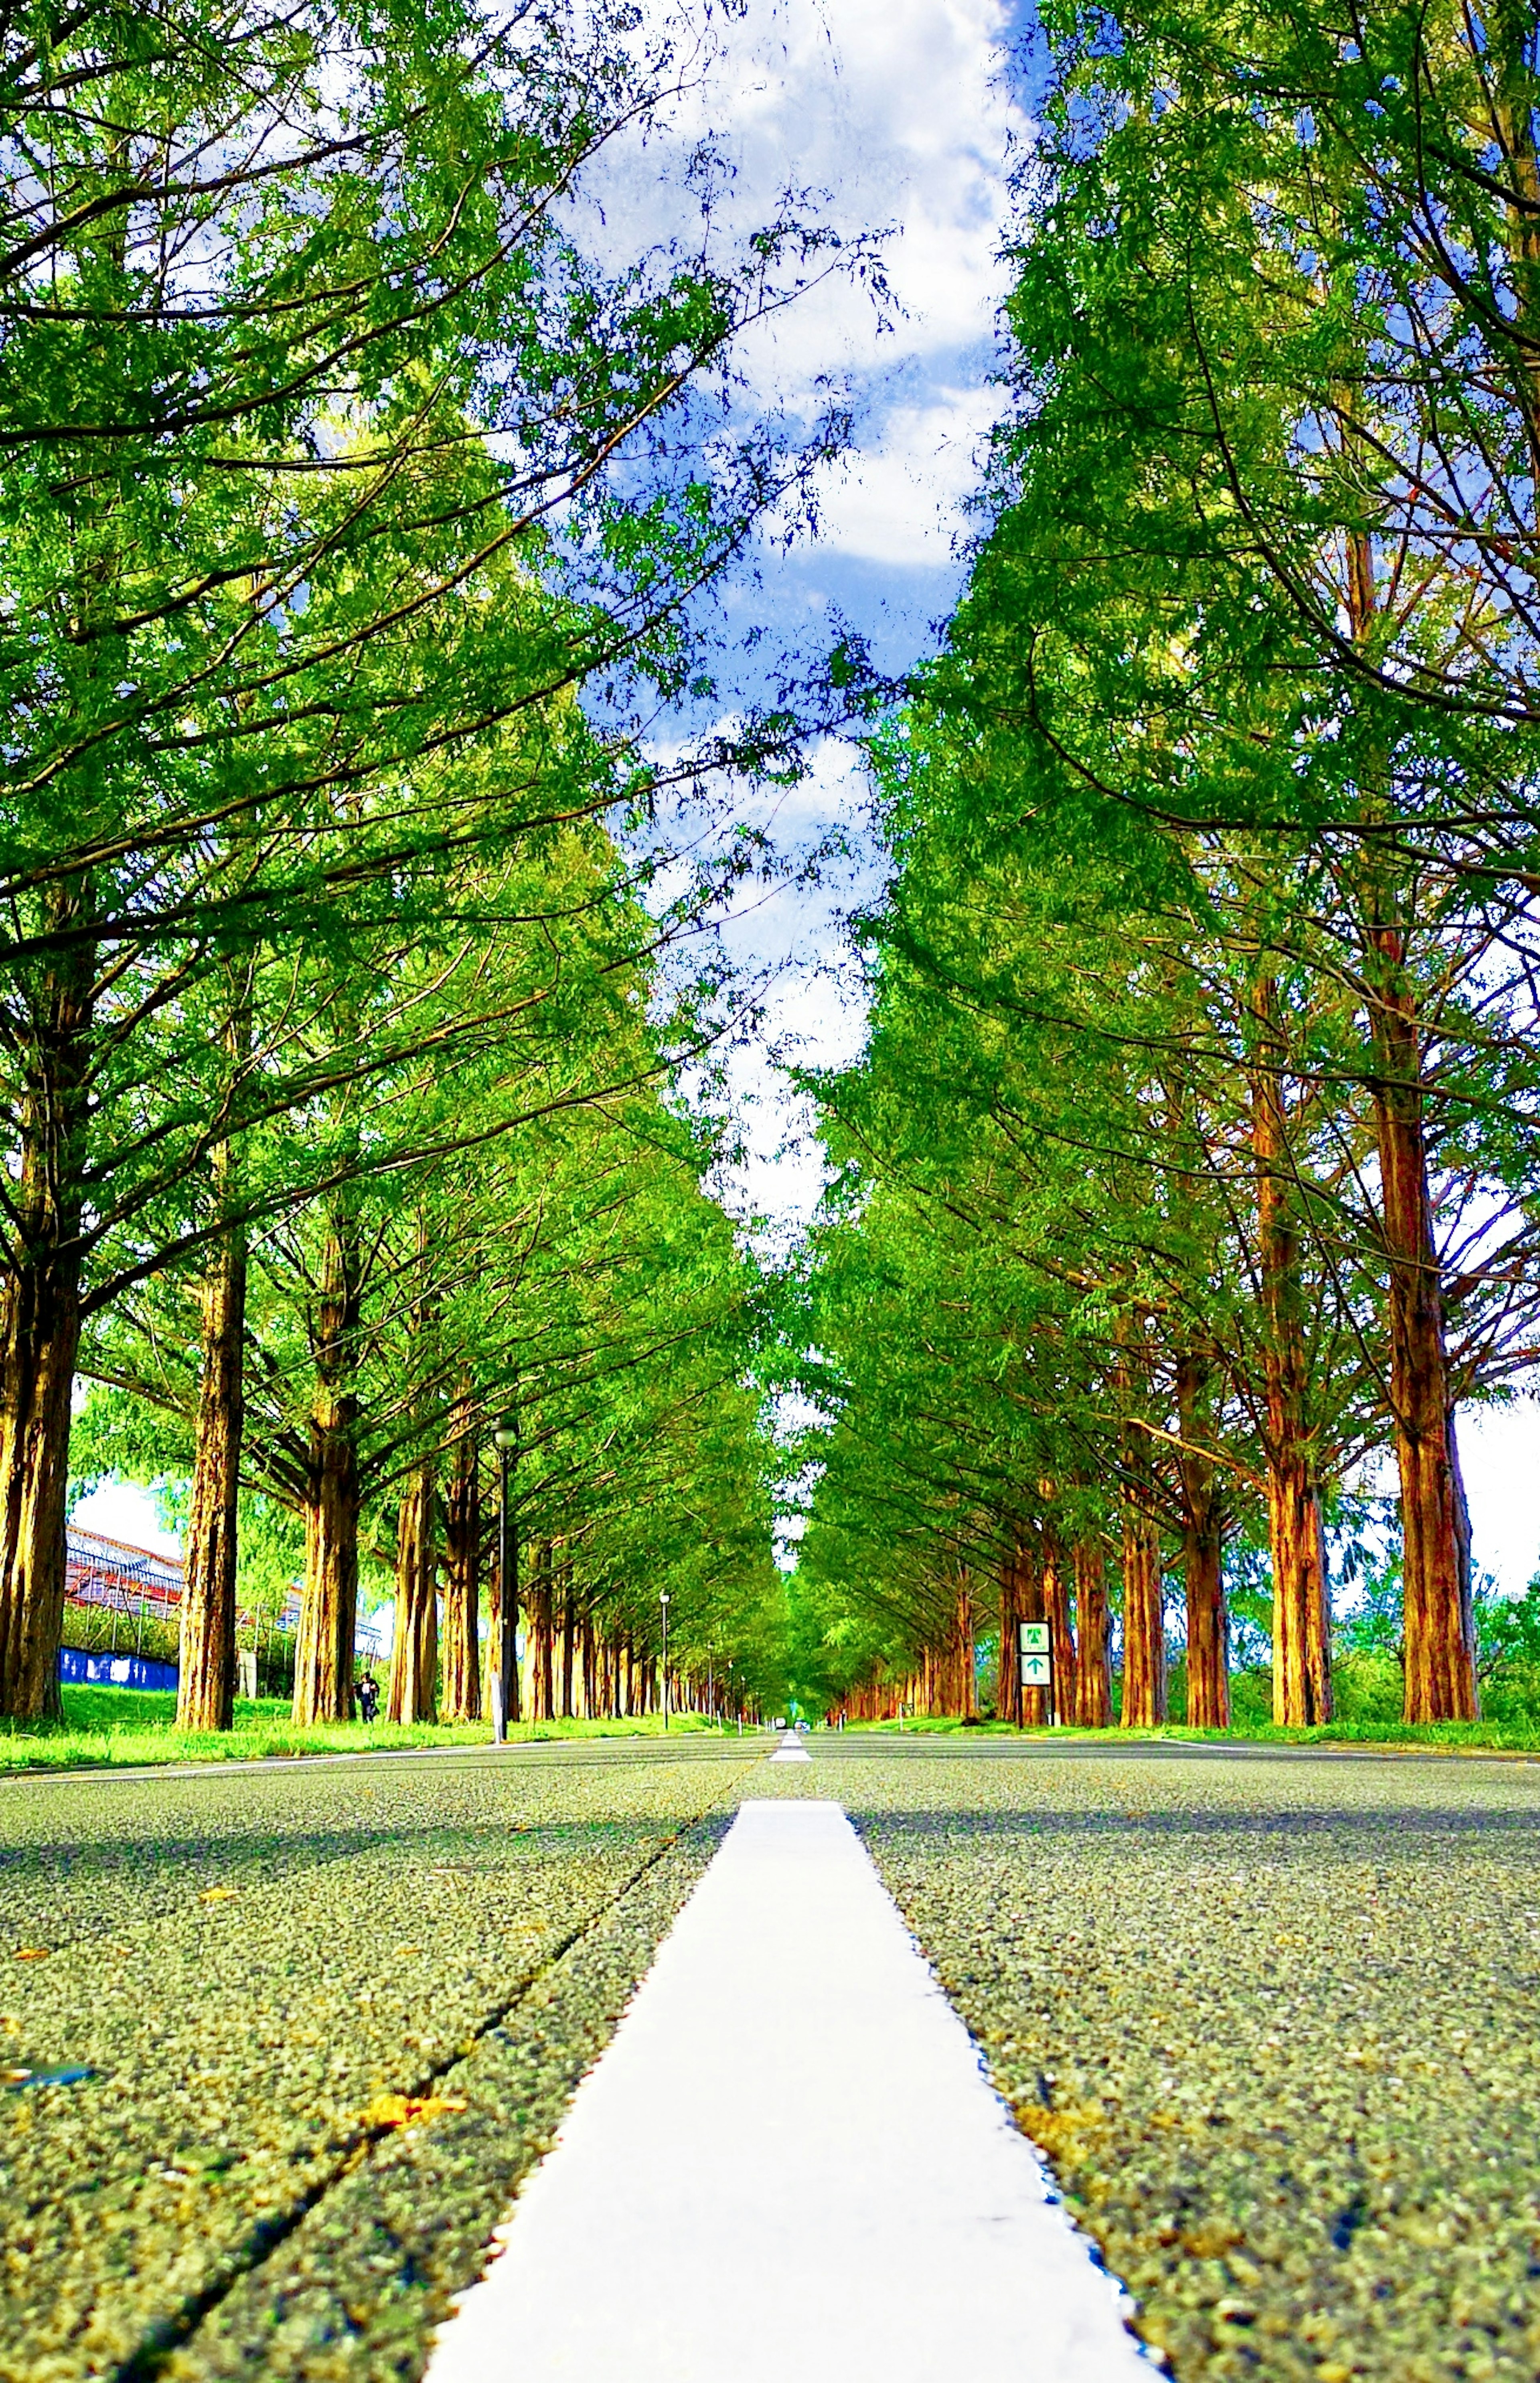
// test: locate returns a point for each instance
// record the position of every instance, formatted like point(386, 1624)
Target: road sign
point(1034, 1637)
point(1037, 1670)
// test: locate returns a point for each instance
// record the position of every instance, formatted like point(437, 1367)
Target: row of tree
point(354, 509)
point(1192, 1163)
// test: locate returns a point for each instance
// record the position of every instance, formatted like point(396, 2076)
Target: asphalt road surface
point(1273, 2020)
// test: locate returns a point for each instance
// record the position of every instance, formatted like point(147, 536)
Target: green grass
point(114, 1728)
point(1446, 1737)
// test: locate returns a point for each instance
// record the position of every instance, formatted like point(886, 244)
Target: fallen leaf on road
point(408, 2109)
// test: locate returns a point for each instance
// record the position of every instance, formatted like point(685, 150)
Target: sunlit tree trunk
point(1439, 1626)
point(1144, 1683)
point(1093, 1667)
point(539, 1609)
point(1007, 1693)
point(1439, 1639)
point(205, 1680)
point(569, 1642)
point(324, 1651)
point(967, 1651)
point(1055, 1599)
point(1208, 1632)
point(460, 1697)
point(40, 1321)
point(1037, 1704)
point(414, 1654)
point(1301, 1629)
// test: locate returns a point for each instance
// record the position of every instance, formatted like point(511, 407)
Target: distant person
point(368, 1697)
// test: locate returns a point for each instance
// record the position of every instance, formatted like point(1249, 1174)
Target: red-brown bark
point(540, 1618)
point(39, 1326)
point(1144, 1681)
point(569, 1643)
point(1037, 1704)
point(461, 1681)
point(414, 1652)
point(1007, 1690)
point(1093, 1666)
point(1439, 1627)
point(1302, 1627)
point(1208, 1627)
point(1056, 1598)
point(323, 1649)
point(205, 1680)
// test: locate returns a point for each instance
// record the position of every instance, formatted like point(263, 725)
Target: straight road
point(1273, 2020)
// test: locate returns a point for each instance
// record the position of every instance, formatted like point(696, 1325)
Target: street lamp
point(663, 1601)
point(505, 1687)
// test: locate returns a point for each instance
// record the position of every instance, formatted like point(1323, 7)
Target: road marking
point(789, 2158)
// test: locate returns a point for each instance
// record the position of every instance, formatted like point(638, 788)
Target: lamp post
point(663, 1601)
point(505, 1687)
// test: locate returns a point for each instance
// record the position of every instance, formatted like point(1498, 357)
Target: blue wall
point(115, 1671)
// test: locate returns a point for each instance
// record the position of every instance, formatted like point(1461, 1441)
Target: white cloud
point(895, 110)
point(895, 117)
point(901, 500)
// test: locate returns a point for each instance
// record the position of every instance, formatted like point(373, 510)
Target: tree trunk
point(967, 1649)
point(1007, 1692)
point(461, 1680)
point(1143, 1625)
point(324, 1651)
point(42, 1335)
point(40, 1321)
point(1093, 1669)
point(1056, 1598)
point(1301, 1669)
point(1208, 1628)
point(1439, 1637)
point(414, 1654)
point(569, 1642)
point(324, 1646)
point(1301, 1626)
point(206, 1681)
point(494, 1638)
point(1439, 1626)
point(542, 1666)
point(1037, 1704)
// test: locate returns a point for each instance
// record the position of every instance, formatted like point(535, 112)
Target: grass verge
point(124, 1728)
point(1435, 1738)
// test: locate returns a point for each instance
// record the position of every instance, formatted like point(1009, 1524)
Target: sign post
point(1037, 1661)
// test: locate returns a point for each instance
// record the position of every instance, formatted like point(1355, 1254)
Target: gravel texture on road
point(1274, 2023)
point(332, 2014)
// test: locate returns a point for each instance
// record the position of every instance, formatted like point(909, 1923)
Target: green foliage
point(1510, 1659)
point(1223, 780)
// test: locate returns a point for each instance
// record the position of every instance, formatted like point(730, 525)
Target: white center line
point(789, 2156)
